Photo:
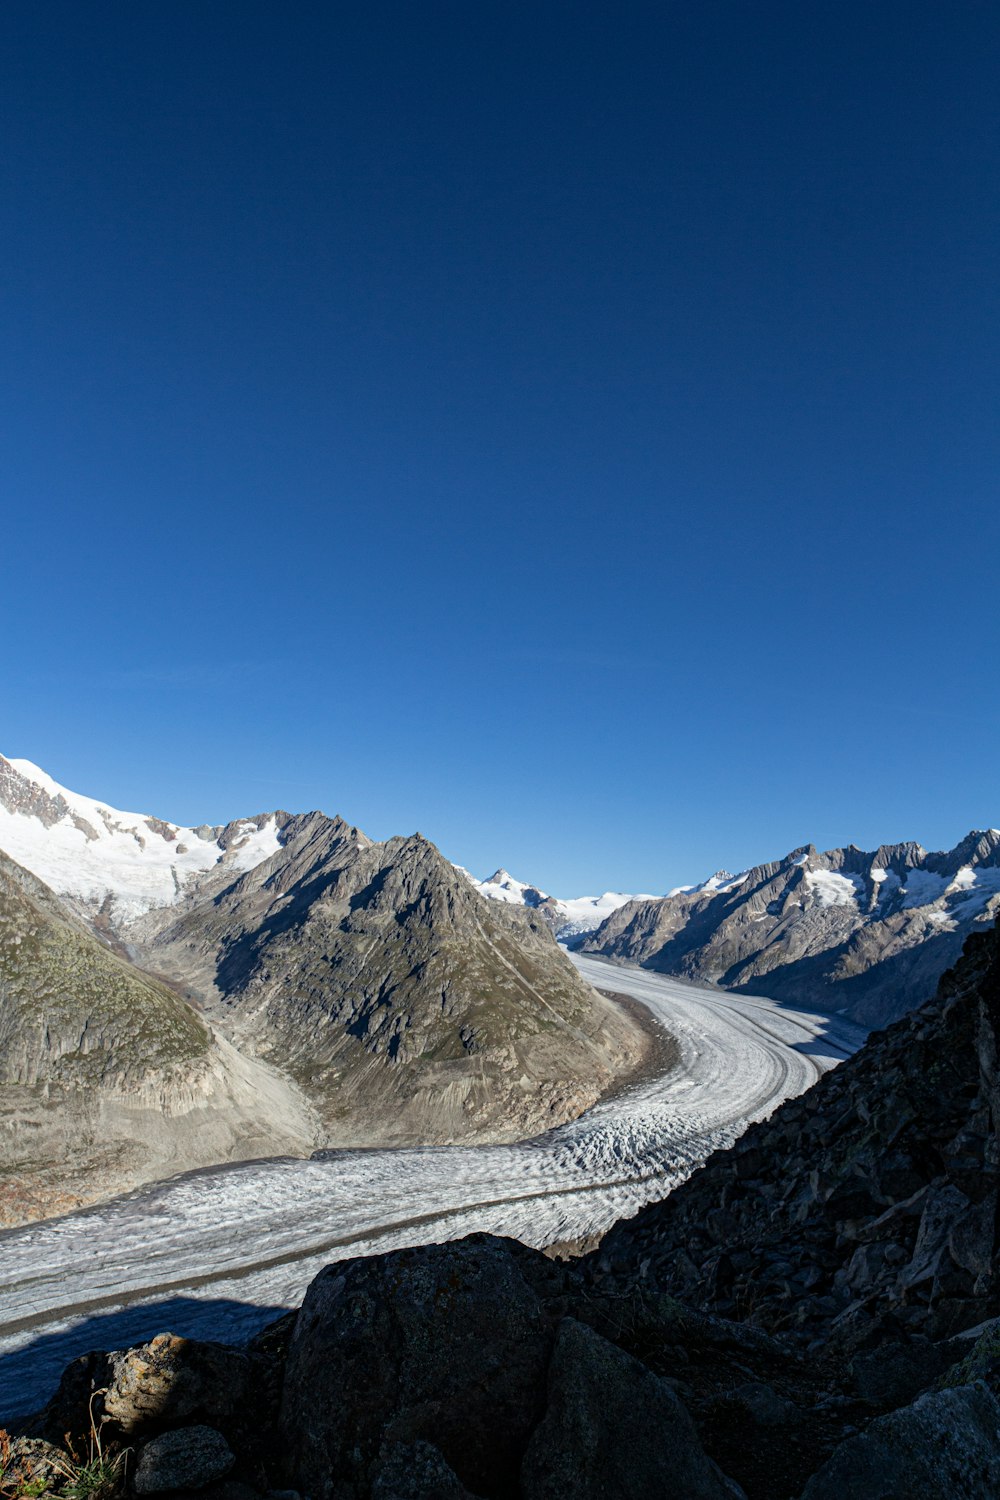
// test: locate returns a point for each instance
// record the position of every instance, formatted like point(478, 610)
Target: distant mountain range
point(361, 993)
point(869, 934)
point(568, 919)
point(282, 983)
point(866, 933)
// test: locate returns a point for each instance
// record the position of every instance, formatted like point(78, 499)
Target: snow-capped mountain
point(123, 864)
point(576, 917)
point(362, 991)
point(868, 932)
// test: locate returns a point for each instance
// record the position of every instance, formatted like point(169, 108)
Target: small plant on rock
point(98, 1474)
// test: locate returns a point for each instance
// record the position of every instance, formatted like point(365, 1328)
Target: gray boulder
point(186, 1459)
point(445, 1344)
point(173, 1379)
point(946, 1446)
point(416, 1471)
point(613, 1428)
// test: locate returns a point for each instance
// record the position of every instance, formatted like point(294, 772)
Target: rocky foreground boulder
point(483, 1369)
point(814, 1316)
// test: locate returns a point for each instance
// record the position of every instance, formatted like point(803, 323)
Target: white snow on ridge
point(586, 913)
point(92, 851)
point(573, 918)
point(720, 881)
point(503, 887)
point(830, 888)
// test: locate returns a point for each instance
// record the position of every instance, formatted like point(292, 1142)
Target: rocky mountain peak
point(402, 1002)
point(980, 847)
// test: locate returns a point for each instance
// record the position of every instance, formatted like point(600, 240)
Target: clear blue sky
point(567, 429)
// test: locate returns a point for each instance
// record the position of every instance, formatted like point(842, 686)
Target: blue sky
point(567, 429)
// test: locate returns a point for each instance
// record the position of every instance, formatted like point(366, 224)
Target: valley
point(217, 1253)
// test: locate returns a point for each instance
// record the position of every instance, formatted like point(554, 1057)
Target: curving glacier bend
point(217, 1254)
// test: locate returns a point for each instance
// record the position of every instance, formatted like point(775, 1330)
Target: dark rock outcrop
point(612, 1427)
point(415, 1471)
point(867, 1205)
point(187, 1459)
point(446, 1345)
point(945, 1446)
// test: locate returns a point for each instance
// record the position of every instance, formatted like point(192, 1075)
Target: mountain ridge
point(815, 1313)
point(869, 932)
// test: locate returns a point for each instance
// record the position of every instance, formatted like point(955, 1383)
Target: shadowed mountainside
point(838, 1337)
point(408, 1007)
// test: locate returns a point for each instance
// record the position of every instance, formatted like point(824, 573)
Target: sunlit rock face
point(866, 933)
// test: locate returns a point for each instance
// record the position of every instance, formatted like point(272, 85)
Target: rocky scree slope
point(481, 1368)
point(407, 1007)
point(868, 1205)
point(109, 1077)
point(868, 933)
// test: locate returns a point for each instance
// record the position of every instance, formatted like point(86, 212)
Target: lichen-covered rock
point(150, 1387)
point(444, 1343)
point(613, 1428)
point(173, 1379)
point(26, 1462)
point(416, 1471)
point(945, 1446)
point(979, 1358)
point(187, 1459)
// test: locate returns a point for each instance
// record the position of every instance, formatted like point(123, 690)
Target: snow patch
point(975, 889)
point(572, 918)
point(139, 861)
point(720, 881)
point(830, 888)
point(888, 883)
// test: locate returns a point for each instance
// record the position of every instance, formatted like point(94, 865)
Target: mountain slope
point(868, 933)
point(373, 976)
point(110, 1078)
point(406, 1006)
point(813, 1314)
point(866, 1209)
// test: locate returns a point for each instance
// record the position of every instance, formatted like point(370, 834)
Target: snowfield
point(92, 853)
point(578, 916)
point(217, 1254)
